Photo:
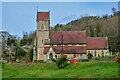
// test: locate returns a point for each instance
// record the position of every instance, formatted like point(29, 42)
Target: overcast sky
point(21, 17)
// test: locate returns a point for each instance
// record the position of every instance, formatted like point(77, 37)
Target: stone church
point(74, 44)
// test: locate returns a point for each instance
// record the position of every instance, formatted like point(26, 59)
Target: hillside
point(106, 26)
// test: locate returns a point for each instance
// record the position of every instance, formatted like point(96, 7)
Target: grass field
point(47, 70)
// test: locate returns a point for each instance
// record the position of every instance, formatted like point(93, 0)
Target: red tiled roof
point(67, 49)
point(69, 37)
point(42, 15)
point(97, 43)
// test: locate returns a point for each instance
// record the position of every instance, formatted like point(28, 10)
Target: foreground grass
point(47, 70)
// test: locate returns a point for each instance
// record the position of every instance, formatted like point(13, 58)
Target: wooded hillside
point(96, 26)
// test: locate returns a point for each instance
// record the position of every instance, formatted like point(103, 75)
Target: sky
point(19, 17)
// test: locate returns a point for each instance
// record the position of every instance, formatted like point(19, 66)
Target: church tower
point(42, 34)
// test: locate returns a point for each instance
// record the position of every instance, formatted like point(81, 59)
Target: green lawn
point(47, 70)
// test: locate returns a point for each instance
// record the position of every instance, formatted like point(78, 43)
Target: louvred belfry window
point(42, 27)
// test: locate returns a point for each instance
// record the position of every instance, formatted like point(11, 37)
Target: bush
point(60, 62)
point(89, 55)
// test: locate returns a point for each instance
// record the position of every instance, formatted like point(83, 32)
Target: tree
point(8, 41)
point(56, 27)
point(91, 32)
point(25, 35)
point(114, 11)
point(20, 52)
point(105, 16)
point(29, 41)
point(23, 42)
point(97, 30)
point(31, 55)
point(11, 42)
point(11, 45)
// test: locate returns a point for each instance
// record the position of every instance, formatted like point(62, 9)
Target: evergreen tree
point(91, 32)
point(97, 30)
point(114, 11)
point(31, 55)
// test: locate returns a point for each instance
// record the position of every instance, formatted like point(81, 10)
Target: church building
point(74, 44)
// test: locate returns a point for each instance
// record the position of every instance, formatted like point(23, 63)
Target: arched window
point(50, 56)
point(42, 27)
point(56, 56)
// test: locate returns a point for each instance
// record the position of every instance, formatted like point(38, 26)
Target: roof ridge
point(96, 37)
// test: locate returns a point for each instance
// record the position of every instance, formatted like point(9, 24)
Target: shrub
point(89, 55)
point(60, 62)
point(31, 55)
